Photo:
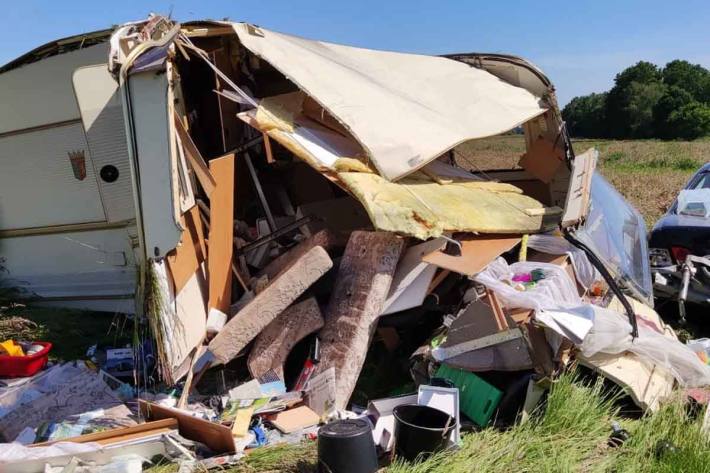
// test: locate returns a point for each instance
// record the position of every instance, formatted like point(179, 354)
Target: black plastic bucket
point(346, 446)
point(420, 431)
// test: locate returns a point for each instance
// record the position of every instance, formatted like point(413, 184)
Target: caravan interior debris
point(276, 204)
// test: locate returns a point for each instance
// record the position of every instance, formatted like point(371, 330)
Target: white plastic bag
point(553, 245)
point(555, 291)
point(611, 334)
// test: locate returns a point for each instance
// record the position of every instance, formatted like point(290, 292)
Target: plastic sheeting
point(556, 291)
point(586, 272)
point(16, 452)
point(611, 334)
point(617, 233)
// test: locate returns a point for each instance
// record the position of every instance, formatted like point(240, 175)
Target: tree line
point(646, 101)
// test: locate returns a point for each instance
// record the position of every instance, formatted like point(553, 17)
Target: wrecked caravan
point(98, 176)
point(215, 176)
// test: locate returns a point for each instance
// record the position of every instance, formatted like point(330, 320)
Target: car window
point(703, 182)
point(617, 233)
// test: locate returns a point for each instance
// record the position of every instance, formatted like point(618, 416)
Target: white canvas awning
point(404, 109)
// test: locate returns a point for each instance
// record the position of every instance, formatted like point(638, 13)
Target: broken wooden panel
point(362, 285)
point(221, 233)
point(190, 253)
point(542, 159)
point(480, 320)
point(197, 162)
point(215, 436)
point(273, 345)
point(413, 277)
point(269, 303)
point(324, 238)
point(180, 319)
point(477, 251)
point(647, 384)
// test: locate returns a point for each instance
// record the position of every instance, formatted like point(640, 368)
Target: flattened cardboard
point(295, 419)
point(221, 233)
point(477, 251)
point(216, 437)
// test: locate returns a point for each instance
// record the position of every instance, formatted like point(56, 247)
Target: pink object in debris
point(522, 277)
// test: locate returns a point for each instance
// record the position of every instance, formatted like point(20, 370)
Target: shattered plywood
point(272, 346)
point(285, 288)
point(477, 251)
point(191, 252)
point(360, 290)
point(647, 384)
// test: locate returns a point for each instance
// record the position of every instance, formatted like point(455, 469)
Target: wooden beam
point(219, 260)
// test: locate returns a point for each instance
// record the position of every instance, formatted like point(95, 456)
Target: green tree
point(584, 116)
point(690, 121)
point(693, 78)
point(629, 104)
point(673, 100)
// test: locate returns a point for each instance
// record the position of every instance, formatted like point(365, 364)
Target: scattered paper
point(320, 393)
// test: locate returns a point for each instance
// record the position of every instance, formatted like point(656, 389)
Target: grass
point(71, 332)
point(570, 435)
point(649, 173)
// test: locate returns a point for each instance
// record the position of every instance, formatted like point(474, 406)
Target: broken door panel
point(157, 161)
point(580, 188)
point(102, 116)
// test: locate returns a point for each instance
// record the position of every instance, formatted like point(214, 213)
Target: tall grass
point(570, 434)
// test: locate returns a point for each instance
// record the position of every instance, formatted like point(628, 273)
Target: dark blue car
point(680, 244)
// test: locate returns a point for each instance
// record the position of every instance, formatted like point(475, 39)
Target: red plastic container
point(22, 366)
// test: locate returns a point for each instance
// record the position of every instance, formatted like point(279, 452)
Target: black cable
point(630, 313)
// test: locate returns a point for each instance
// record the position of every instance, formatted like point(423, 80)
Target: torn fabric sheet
point(404, 109)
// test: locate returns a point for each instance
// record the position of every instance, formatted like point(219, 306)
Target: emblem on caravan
point(78, 164)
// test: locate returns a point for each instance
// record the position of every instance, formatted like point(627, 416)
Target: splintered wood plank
point(219, 262)
point(477, 251)
point(269, 303)
point(191, 251)
point(197, 162)
point(360, 290)
point(273, 345)
point(215, 436)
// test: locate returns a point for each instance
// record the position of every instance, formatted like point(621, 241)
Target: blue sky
point(580, 44)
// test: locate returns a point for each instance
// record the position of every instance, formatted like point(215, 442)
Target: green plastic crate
point(478, 399)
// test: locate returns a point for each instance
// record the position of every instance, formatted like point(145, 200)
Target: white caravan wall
point(41, 92)
point(93, 264)
point(37, 184)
